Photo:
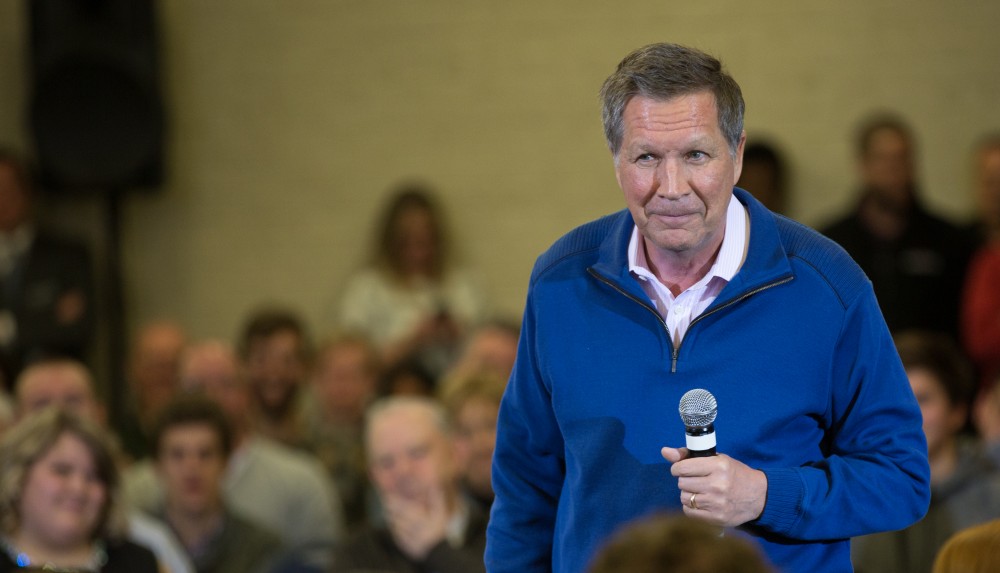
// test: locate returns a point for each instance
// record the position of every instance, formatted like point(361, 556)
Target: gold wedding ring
point(692, 502)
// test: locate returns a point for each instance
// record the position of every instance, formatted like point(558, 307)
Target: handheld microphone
point(698, 410)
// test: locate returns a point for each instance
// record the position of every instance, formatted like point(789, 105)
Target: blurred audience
point(428, 526)
point(915, 259)
point(6, 411)
point(981, 298)
point(491, 346)
point(46, 288)
point(276, 487)
point(58, 496)
point(965, 484)
point(275, 351)
point(676, 544)
point(153, 375)
point(765, 175)
point(473, 403)
point(975, 549)
point(191, 444)
point(411, 299)
point(343, 384)
point(66, 384)
point(408, 377)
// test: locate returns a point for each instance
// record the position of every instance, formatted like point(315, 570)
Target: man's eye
point(644, 158)
point(697, 155)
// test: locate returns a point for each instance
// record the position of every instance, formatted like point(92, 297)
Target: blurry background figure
point(973, 550)
point(46, 288)
point(66, 384)
point(411, 299)
point(408, 377)
point(275, 351)
point(58, 499)
point(986, 417)
point(278, 488)
point(191, 443)
point(473, 403)
point(765, 175)
point(6, 411)
point(491, 346)
point(344, 382)
point(676, 544)
point(428, 525)
point(981, 298)
point(915, 259)
point(153, 376)
point(965, 484)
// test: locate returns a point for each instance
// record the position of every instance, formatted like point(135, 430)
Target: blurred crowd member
point(407, 377)
point(46, 288)
point(278, 488)
point(411, 299)
point(965, 485)
point(343, 384)
point(981, 298)
point(975, 549)
point(473, 404)
point(673, 543)
point(191, 443)
point(66, 384)
point(765, 175)
point(915, 259)
point(275, 350)
point(986, 417)
point(428, 525)
point(153, 374)
point(492, 346)
point(58, 490)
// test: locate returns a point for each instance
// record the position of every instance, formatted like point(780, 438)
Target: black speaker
point(95, 110)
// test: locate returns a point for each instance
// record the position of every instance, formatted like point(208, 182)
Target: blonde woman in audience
point(972, 550)
point(58, 500)
point(473, 403)
point(411, 299)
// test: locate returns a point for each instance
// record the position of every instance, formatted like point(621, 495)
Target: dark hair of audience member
point(406, 377)
point(389, 254)
point(193, 409)
point(939, 354)
point(266, 322)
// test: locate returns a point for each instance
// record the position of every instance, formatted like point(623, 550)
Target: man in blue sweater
point(697, 285)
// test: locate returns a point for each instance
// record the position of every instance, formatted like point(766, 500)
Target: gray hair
point(433, 409)
point(665, 71)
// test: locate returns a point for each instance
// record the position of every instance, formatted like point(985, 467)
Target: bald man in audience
point(153, 376)
point(428, 525)
point(67, 384)
point(281, 489)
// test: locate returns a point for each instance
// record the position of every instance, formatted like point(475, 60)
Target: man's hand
point(727, 492)
point(417, 525)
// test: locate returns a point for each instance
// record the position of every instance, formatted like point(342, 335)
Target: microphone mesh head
point(698, 408)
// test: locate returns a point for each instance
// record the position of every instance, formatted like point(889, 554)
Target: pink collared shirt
point(678, 312)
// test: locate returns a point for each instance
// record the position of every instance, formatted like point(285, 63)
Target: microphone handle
point(700, 441)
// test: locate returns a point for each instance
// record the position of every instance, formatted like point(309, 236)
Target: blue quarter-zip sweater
point(795, 350)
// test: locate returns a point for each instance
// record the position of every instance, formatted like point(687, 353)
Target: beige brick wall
point(291, 119)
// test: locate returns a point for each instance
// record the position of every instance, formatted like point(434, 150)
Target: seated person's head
point(345, 377)
point(58, 484)
point(972, 550)
point(473, 404)
point(409, 449)
point(676, 544)
point(191, 444)
point(61, 382)
point(211, 368)
point(275, 352)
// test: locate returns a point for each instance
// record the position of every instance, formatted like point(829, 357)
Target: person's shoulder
point(813, 252)
point(282, 458)
point(582, 243)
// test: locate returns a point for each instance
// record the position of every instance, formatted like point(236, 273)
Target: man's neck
point(676, 271)
point(194, 528)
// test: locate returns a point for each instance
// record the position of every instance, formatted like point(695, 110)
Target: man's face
point(191, 464)
point(62, 385)
point(156, 365)
point(887, 167)
point(344, 382)
point(275, 369)
point(215, 373)
point(942, 419)
point(677, 172)
point(475, 439)
point(408, 455)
